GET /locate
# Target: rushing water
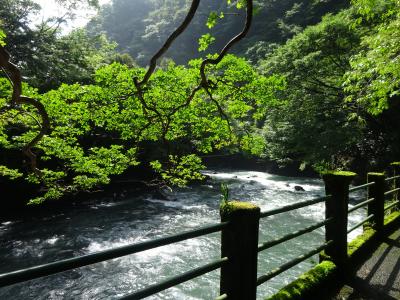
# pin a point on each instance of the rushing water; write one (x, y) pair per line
(108, 223)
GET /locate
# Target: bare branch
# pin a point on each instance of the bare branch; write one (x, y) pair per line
(230, 44)
(153, 62)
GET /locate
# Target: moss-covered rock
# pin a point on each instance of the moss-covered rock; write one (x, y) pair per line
(301, 287)
(395, 164)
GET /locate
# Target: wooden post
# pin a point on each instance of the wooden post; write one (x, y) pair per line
(336, 207)
(396, 183)
(239, 242)
(377, 206)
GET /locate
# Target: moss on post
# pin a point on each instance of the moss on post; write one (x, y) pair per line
(377, 206)
(336, 207)
(239, 242)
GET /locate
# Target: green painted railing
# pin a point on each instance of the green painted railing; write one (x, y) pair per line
(239, 229)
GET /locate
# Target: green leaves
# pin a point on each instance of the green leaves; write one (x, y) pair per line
(10, 173)
(205, 41)
(180, 170)
(102, 130)
(374, 77)
(2, 38)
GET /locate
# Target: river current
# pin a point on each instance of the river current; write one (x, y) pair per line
(109, 223)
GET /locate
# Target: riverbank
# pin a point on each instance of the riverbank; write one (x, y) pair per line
(138, 180)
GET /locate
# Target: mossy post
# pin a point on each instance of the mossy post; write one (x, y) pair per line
(376, 207)
(336, 207)
(239, 242)
(396, 182)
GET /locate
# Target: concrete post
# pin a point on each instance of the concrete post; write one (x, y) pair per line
(336, 207)
(377, 206)
(239, 242)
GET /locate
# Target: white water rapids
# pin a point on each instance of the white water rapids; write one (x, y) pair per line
(109, 223)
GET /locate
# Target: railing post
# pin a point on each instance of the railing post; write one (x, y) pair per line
(396, 183)
(336, 207)
(239, 242)
(377, 206)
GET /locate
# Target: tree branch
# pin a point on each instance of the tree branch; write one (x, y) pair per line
(14, 76)
(169, 41)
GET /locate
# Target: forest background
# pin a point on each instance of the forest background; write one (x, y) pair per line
(314, 84)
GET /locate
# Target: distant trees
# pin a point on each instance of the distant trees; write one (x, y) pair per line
(140, 26)
(342, 84)
(46, 58)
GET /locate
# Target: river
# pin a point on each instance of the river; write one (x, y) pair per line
(109, 223)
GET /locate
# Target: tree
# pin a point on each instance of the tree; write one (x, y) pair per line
(162, 117)
(45, 57)
(310, 124)
(154, 20)
(374, 77)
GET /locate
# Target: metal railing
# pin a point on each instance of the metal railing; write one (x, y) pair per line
(77, 262)
(275, 272)
(239, 241)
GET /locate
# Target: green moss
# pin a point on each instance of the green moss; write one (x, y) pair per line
(396, 163)
(391, 218)
(359, 241)
(228, 207)
(306, 282)
(376, 174)
(339, 173)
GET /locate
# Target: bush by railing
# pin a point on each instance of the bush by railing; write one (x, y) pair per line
(239, 229)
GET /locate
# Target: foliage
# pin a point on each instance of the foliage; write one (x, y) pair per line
(205, 41)
(101, 130)
(2, 38)
(309, 123)
(224, 193)
(374, 77)
(154, 20)
(46, 58)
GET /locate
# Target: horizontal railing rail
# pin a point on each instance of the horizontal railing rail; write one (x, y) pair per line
(294, 206)
(392, 178)
(239, 239)
(166, 284)
(293, 235)
(81, 261)
(391, 205)
(391, 191)
(360, 223)
(361, 204)
(359, 187)
(275, 272)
